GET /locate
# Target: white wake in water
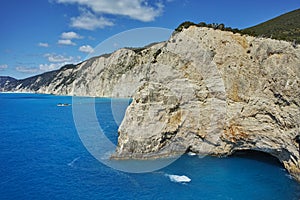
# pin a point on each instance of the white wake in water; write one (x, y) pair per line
(71, 164)
(178, 178)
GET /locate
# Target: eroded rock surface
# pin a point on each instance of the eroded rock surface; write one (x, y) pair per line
(205, 91)
(223, 92)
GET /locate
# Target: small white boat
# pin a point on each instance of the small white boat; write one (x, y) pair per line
(63, 104)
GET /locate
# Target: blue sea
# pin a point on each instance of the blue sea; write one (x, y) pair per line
(42, 157)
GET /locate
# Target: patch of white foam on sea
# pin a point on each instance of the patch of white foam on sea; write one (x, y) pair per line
(192, 154)
(289, 176)
(178, 178)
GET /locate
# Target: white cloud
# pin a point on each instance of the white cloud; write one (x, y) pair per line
(86, 49)
(45, 67)
(70, 35)
(57, 61)
(67, 38)
(3, 67)
(135, 9)
(42, 68)
(50, 67)
(57, 65)
(54, 58)
(66, 42)
(42, 44)
(27, 70)
(89, 21)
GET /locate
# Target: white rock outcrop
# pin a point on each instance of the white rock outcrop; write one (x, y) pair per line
(205, 91)
(220, 92)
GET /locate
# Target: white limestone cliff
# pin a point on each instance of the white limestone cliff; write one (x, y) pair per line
(222, 92)
(205, 91)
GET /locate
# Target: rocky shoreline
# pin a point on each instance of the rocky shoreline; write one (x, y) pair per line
(205, 91)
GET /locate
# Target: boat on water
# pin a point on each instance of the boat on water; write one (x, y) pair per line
(63, 104)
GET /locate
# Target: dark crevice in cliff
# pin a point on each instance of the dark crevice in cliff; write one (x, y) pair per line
(269, 114)
(281, 101)
(167, 136)
(273, 118)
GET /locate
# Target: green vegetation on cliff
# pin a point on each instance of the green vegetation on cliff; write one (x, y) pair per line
(222, 27)
(285, 27)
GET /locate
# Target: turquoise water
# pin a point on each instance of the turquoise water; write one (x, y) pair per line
(42, 157)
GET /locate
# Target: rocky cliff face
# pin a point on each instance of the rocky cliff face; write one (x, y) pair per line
(220, 92)
(206, 91)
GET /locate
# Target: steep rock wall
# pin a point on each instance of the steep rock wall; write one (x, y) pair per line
(223, 92)
(207, 91)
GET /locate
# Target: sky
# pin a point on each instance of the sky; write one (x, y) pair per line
(42, 35)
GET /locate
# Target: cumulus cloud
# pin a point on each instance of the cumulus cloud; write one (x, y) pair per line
(45, 67)
(66, 42)
(42, 68)
(86, 49)
(56, 65)
(58, 58)
(3, 67)
(135, 9)
(55, 62)
(67, 37)
(49, 67)
(27, 70)
(70, 35)
(42, 44)
(89, 21)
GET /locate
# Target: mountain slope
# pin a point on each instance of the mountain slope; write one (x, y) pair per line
(284, 27)
(31, 84)
(6, 80)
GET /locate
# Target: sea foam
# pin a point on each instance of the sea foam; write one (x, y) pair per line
(192, 154)
(178, 178)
